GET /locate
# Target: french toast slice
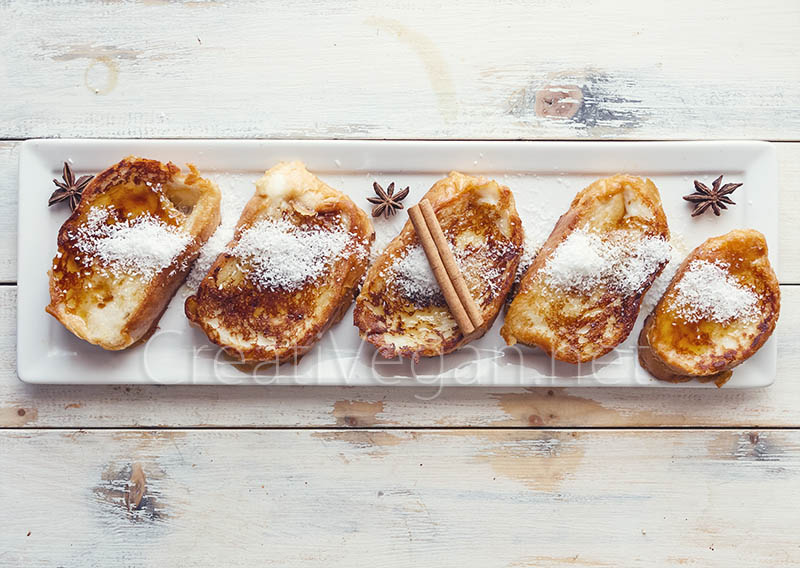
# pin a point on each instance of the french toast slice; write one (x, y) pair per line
(719, 309)
(401, 310)
(299, 251)
(580, 298)
(127, 247)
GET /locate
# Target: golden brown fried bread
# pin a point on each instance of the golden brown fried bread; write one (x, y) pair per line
(718, 310)
(127, 247)
(581, 296)
(299, 251)
(401, 310)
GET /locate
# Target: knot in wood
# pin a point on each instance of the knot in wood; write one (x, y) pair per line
(558, 101)
(137, 486)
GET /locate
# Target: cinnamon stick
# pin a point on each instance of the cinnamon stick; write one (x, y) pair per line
(444, 267)
(450, 264)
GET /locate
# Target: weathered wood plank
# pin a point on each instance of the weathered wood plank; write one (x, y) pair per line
(9, 166)
(120, 406)
(716, 69)
(789, 164)
(401, 498)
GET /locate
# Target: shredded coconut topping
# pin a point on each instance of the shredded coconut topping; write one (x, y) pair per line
(619, 261)
(141, 246)
(661, 283)
(283, 256)
(707, 291)
(412, 273)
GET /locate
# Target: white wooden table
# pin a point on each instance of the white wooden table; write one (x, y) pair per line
(352, 477)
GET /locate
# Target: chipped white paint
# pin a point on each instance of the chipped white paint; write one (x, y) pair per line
(402, 498)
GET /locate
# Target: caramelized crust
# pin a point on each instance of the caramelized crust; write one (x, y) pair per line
(569, 325)
(480, 220)
(255, 324)
(673, 349)
(115, 311)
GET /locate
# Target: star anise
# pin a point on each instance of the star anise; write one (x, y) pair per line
(69, 188)
(387, 203)
(716, 197)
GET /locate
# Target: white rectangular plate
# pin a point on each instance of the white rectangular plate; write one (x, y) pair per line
(544, 177)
